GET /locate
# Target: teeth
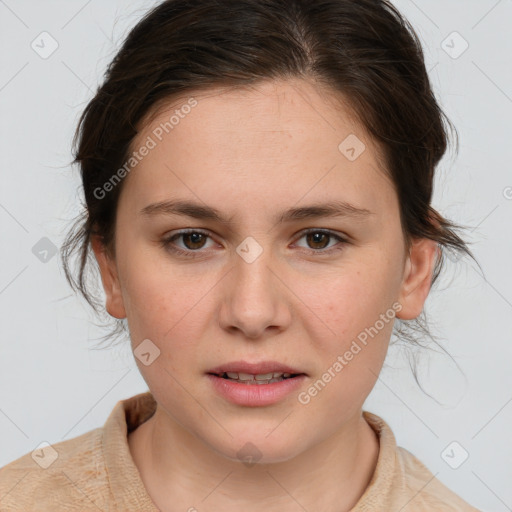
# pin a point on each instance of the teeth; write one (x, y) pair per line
(245, 376)
(259, 377)
(265, 376)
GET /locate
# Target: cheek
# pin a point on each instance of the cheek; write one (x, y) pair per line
(162, 305)
(354, 315)
(169, 312)
(350, 302)
(360, 318)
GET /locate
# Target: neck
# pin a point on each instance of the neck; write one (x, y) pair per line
(180, 471)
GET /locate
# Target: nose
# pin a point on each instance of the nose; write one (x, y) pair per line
(254, 298)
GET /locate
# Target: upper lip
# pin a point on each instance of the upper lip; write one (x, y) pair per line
(262, 367)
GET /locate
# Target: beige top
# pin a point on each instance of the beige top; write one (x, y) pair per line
(95, 471)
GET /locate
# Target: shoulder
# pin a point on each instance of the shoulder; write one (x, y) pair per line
(425, 490)
(402, 482)
(68, 475)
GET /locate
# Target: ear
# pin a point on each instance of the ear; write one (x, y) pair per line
(114, 303)
(418, 270)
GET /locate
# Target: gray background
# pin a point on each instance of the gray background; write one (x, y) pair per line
(54, 387)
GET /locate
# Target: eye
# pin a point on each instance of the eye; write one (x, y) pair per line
(193, 240)
(318, 240)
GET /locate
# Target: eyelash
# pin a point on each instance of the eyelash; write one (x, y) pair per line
(167, 243)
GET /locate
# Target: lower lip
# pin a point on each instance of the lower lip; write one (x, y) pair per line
(255, 394)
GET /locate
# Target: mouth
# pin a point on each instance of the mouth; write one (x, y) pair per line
(265, 372)
(255, 384)
(256, 379)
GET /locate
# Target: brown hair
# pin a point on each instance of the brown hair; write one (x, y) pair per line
(365, 50)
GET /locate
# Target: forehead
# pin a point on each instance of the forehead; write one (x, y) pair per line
(280, 140)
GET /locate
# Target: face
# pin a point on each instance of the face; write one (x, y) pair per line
(271, 279)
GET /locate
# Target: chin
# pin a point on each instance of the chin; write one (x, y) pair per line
(257, 449)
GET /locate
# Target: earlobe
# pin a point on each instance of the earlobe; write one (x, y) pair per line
(417, 279)
(109, 278)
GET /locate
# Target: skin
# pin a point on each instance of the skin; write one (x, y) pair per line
(251, 153)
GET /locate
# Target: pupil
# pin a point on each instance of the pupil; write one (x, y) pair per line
(196, 237)
(316, 237)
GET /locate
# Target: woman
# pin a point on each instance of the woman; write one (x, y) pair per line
(258, 177)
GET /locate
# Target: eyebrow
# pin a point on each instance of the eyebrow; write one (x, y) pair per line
(204, 212)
